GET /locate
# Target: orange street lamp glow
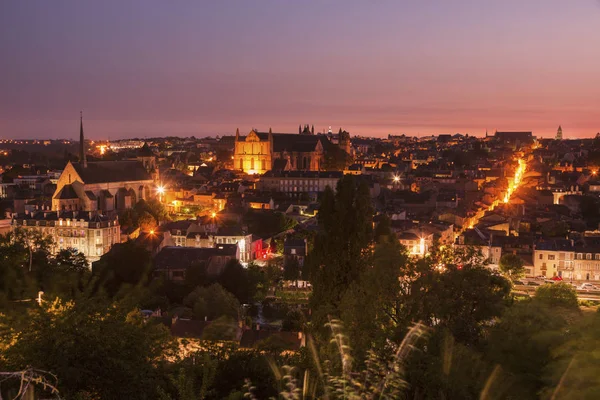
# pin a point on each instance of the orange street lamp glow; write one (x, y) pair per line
(213, 214)
(152, 231)
(396, 178)
(160, 190)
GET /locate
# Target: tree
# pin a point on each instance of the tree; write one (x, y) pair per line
(291, 269)
(222, 328)
(125, 265)
(234, 279)
(511, 265)
(557, 295)
(212, 302)
(383, 229)
(96, 349)
(574, 372)
(345, 222)
(522, 343)
(466, 299)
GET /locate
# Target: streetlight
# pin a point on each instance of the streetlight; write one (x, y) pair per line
(160, 190)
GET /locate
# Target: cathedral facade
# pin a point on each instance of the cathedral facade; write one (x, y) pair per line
(259, 152)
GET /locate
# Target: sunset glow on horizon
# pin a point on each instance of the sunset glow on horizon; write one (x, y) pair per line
(151, 68)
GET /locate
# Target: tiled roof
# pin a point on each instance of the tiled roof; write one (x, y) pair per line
(182, 257)
(112, 171)
(291, 142)
(66, 193)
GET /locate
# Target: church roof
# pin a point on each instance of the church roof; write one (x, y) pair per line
(67, 192)
(290, 142)
(112, 171)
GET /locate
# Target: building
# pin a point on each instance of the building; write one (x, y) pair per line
(296, 249)
(104, 186)
(553, 258)
(294, 183)
(259, 152)
(173, 262)
(416, 241)
(89, 233)
(559, 133)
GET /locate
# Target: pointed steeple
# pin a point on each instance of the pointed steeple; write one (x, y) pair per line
(237, 134)
(299, 128)
(270, 131)
(82, 156)
(559, 133)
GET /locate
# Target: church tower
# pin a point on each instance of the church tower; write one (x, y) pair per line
(559, 133)
(82, 157)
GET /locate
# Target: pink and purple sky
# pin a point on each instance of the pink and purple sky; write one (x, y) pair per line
(150, 67)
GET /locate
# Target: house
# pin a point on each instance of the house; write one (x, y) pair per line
(259, 202)
(235, 235)
(173, 262)
(295, 249)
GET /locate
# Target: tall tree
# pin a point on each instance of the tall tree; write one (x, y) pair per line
(342, 245)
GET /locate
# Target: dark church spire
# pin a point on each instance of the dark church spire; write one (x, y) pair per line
(82, 157)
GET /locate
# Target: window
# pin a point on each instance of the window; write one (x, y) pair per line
(541, 256)
(579, 256)
(597, 256)
(588, 256)
(97, 233)
(550, 257)
(293, 251)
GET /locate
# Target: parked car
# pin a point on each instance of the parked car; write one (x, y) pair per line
(588, 286)
(519, 283)
(533, 283)
(541, 277)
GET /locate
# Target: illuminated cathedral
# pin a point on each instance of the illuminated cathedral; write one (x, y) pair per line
(259, 152)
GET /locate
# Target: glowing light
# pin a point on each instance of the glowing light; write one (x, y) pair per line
(213, 214)
(594, 172)
(160, 190)
(396, 178)
(252, 172)
(152, 231)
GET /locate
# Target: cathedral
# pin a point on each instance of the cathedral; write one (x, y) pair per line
(259, 152)
(103, 186)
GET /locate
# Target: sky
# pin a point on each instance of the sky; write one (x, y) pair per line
(144, 68)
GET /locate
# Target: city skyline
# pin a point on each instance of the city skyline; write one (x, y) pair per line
(151, 69)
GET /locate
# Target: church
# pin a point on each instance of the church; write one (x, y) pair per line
(103, 186)
(259, 152)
